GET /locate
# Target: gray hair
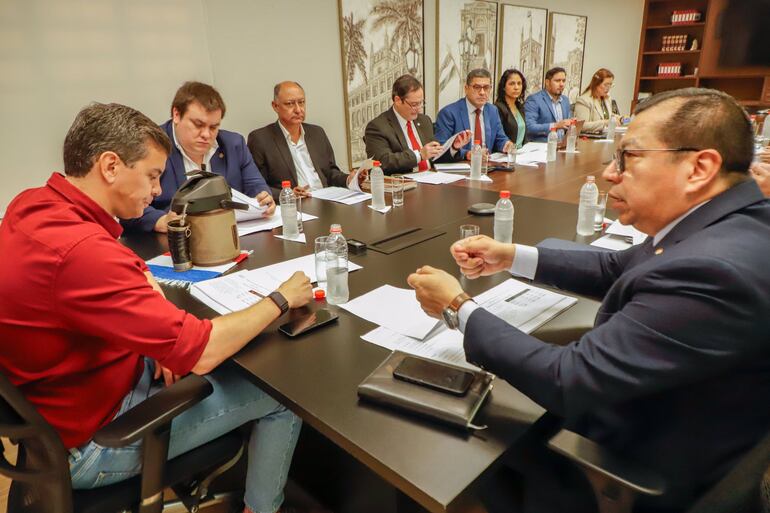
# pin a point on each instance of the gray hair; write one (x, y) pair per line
(109, 127)
(477, 73)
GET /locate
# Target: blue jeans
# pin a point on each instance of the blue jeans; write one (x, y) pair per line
(234, 402)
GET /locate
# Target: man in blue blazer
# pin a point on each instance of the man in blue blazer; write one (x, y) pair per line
(474, 113)
(197, 140)
(674, 374)
(548, 108)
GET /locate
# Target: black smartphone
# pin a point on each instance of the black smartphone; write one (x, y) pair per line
(433, 375)
(307, 322)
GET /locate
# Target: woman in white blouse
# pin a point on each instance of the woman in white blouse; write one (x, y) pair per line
(595, 106)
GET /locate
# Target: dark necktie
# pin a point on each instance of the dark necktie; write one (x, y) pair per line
(423, 165)
(477, 133)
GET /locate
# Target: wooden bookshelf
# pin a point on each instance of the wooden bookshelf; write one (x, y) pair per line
(700, 67)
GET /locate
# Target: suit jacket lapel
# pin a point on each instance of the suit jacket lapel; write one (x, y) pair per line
(218, 161)
(489, 140)
(396, 127)
(424, 129)
(464, 120)
(735, 198)
(315, 156)
(283, 150)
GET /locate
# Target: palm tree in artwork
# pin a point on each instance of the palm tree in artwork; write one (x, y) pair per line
(404, 17)
(353, 46)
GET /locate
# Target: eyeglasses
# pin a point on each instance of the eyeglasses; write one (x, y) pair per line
(620, 155)
(479, 88)
(292, 103)
(414, 105)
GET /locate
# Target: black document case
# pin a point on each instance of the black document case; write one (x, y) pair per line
(381, 387)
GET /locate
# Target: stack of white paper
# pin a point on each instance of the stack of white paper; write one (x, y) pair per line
(620, 236)
(453, 167)
(436, 178)
(394, 308)
(240, 290)
(523, 306)
(341, 195)
(266, 223)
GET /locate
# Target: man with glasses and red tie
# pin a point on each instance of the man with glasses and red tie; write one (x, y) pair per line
(474, 113)
(674, 373)
(401, 138)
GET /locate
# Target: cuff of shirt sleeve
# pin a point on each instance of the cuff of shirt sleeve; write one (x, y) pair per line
(417, 155)
(525, 261)
(464, 313)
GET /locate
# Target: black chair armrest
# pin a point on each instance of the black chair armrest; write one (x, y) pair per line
(594, 457)
(154, 412)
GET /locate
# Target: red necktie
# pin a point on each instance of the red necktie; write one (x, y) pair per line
(477, 133)
(423, 165)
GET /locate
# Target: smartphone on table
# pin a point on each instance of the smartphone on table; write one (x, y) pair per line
(307, 322)
(433, 375)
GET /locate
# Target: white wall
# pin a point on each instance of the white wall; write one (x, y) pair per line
(58, 55)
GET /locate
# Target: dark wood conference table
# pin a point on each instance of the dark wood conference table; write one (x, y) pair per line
(316, 375)
(560, 180)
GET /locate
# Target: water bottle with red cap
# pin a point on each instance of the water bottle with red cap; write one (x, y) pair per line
(504, 218)
(288, 204)
(377, 179)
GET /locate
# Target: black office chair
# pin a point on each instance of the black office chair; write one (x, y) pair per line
(41, 477)
(616, 483)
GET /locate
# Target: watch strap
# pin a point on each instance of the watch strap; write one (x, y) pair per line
(279, 301)
(458, 301)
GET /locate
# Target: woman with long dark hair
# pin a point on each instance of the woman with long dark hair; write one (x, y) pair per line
(595, 106)
(511, 91)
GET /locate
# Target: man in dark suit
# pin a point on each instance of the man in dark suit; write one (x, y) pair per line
(674, 373)
(293, 150)
(473, 112)
(198, 141)
(401, 138)
(548, 108)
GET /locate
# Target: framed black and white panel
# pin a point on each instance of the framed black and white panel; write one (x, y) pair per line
(522, 42)
(566, 47)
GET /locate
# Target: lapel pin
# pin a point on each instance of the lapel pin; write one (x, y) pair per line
(221, 155)
(659, 251)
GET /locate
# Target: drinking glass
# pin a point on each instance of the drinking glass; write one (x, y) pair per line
(600, 208)
(484, 161)
(320, 261)
(468, 230)
(512, 156)
(300, 229)
(397, 190)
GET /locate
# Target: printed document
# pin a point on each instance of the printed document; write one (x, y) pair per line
(341, 195)
(521, 305)
(266, 223)
(240, 290)
(433, 178)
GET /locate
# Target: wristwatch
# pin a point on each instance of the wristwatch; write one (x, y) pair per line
(279, 301)
(450, 313)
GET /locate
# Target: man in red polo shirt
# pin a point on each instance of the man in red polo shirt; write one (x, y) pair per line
(79, 313)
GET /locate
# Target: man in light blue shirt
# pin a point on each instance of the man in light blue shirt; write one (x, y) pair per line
(548, 108)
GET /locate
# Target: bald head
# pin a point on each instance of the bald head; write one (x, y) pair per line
(289, 104)
(286, 83)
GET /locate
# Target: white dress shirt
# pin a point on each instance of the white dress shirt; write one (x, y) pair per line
(306, 172)
(402, 122)
(189, 165)
(472, 121)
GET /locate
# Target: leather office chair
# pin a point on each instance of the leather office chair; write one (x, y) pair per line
(41, 477)
(616, 483)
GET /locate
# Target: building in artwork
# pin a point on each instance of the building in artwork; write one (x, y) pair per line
(573, 65)
(531, 55)
(477, 42)
(367, 100)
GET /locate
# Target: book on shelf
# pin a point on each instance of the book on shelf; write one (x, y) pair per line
(685, 16)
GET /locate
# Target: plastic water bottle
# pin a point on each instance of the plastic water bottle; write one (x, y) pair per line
(288, 204)
(611, 126)
(504, 218)
(571, 138)
(336, 267)
(589, 194)
(476, 157)
(377, 179)
(553, 141)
